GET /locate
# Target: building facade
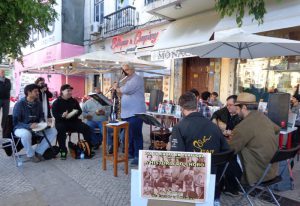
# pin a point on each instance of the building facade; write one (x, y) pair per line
(64, 40)
(129, 30)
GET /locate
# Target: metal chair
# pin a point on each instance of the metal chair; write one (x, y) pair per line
(9, 143)
(279, 156)
(222, 159)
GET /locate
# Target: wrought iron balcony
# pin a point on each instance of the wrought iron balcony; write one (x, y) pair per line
(120, 21)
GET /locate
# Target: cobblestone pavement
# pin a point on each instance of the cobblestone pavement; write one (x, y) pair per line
(71, 182)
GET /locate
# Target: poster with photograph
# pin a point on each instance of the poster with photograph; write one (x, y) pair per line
(174, 176)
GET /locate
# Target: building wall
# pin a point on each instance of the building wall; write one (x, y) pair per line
(227, 78)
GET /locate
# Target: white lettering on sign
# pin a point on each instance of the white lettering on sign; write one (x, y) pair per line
(168, 54)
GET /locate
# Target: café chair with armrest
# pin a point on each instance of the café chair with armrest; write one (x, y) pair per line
(279, 156)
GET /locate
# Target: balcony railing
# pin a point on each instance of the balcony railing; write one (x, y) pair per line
(120, 21)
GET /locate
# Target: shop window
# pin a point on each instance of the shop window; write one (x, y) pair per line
(99, 11)
(153, 83)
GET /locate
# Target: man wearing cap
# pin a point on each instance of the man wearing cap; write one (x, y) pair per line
(66, 111)
(254, 139)
(96, 113)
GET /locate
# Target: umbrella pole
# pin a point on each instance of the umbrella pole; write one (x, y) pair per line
(67, 76)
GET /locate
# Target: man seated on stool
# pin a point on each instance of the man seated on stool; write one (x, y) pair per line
(96, 113)
(61, 107)
(27, 113)
(195, 133)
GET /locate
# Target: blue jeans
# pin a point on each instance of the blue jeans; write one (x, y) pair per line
(97, 138)
(135, 135)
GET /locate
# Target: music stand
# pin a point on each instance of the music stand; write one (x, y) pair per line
(103, 100)
(150, 120)
(158, 138)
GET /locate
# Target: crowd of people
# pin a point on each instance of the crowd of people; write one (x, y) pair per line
(237, 126)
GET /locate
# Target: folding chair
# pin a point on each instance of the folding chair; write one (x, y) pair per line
(9, 143)
(222, 159)
(279, 156)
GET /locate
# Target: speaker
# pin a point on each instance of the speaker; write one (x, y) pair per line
(278, 108)
(156, 97)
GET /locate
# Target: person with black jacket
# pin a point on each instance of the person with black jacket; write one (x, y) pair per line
(66, 111)
(5, 87)
(195, 133)
(44, 96)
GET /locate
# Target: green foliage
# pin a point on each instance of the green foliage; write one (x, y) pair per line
(238, 7)
(18, 18)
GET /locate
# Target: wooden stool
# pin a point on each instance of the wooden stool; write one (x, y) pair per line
(115, 158)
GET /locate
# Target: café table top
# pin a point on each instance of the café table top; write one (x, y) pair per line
(289, 130)
(163, 114)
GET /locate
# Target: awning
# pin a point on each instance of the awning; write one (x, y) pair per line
(188, 31)
(94, 62)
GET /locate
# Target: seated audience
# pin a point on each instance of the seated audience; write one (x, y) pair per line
(214, 101)
(194, 133)
(254, 139)
(27, 113)
(62, 106)
(227, 118)
(96, 113)
(203, 103)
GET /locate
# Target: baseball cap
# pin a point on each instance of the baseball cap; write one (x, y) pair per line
(65, 86)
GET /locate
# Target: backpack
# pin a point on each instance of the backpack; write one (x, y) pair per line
(77, 149)
(285, 171)
(51, 152)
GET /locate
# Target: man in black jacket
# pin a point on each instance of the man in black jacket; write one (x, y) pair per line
(5, 87)
(66, 111)
(195, 133)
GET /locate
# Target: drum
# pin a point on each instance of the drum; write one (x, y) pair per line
(159, 139)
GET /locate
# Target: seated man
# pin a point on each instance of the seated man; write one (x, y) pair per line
(254, 139)
(27, 113)
(195, 133)
(227, 118)
(96, 113)
(62, 106)
(214, 101)
(203, 103)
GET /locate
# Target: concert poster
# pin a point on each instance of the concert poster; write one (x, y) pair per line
(174, 176)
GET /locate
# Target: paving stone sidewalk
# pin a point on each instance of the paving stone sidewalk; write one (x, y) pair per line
(68, 183)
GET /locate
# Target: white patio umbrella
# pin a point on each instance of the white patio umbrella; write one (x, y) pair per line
(246, 46)
(94, 62)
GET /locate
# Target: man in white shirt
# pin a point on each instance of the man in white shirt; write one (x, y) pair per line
(96, 113)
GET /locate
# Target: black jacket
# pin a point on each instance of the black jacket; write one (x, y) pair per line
(5, 88)
(49, 95)
(61, 105)
(224, 115)
(194, 133)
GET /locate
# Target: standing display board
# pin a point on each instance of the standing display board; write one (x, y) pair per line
(174, 176)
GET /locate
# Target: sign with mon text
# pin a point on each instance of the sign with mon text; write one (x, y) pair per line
(139, 39)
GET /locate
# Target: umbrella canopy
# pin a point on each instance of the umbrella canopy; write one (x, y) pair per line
(245, 46)
(94, 62)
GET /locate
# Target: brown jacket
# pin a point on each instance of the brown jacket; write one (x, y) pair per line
(256, 142)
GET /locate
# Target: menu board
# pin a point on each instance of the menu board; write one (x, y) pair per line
(174, 176)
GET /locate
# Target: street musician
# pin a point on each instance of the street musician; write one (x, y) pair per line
(132, 102)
